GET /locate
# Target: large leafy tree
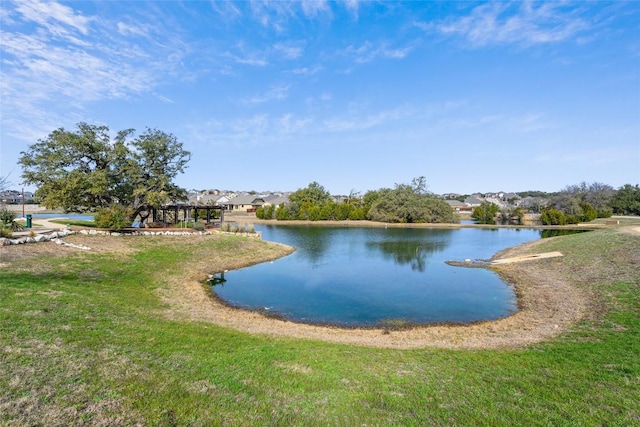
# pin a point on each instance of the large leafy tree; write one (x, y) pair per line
(408, 204)
(627, 200)
(84, 170)
(314, 194)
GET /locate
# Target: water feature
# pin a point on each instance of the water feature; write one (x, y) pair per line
(79, 217)
(370, 276)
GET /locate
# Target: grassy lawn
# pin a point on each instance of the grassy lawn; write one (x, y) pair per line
(76, 222)
(83, 340)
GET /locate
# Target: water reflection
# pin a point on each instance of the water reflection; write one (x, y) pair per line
(555, 233)
(412, 253)
(311, 242)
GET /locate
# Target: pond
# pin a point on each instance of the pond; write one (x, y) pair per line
(79, 217)
(373, 276)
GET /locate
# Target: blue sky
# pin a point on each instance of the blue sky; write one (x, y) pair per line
(475, 96)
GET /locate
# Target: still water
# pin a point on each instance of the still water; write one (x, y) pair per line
(369, 276)
(81, 217)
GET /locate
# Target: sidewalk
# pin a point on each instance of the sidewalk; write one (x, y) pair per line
(43, 226)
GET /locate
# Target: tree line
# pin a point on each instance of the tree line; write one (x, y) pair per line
(574, 204)
(405, 203)
(585, 202)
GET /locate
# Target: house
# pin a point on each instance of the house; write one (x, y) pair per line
(13, 196)
(246, 203)
(458, 206)
(275, 199)
(473, 201)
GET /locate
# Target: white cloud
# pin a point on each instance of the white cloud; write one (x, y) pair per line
(277, 93)
(524, 23)
(312, 9)
(226, 9)
(52, 14)
(352, 6)
(56, 60)
(357, 121)
(369, 51)
(306, 70)
(288, 51)
(257, 130)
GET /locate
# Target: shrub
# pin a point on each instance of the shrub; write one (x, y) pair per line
(485, 213)
(605, 213)
(115, 217)
(589, 213)
(572, 219)
(8, 221)
(283, 213)
(553, 217)
(198, 226)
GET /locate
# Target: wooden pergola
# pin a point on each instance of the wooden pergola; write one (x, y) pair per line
(160, 214)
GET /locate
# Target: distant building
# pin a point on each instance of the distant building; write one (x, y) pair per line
(14, 196)
(458, 206)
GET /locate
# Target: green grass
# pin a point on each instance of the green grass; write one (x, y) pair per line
(76, 222)
(82, 342)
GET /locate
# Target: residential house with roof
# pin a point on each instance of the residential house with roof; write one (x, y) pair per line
(458, 206)
(473, 201)
(275, 199)
(245, 203)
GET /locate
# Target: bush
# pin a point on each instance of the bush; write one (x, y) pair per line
(485, 213)
(6, 232)
(553, 217)
(198, 226)
(589, 213)
(572, 219)
(284, 213)
(8, 222)
(605, 213)
(265, 212)
(115, 217)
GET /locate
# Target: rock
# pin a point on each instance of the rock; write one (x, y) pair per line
(4, 241)
(40, 238)
(31, 240)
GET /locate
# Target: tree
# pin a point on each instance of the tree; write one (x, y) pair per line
(73, 170)
(574, 198)
(84, 170)
(627, 200)
(599, 196)
(314, 193)
(157, 158)
(485, 213)
(408, 204)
